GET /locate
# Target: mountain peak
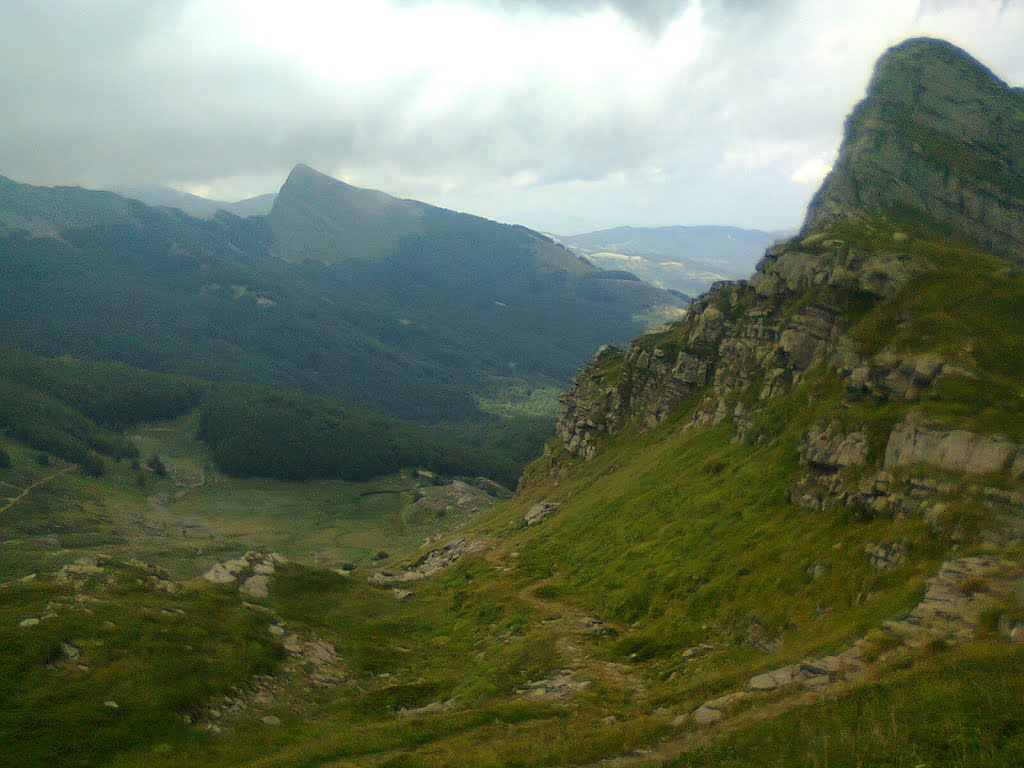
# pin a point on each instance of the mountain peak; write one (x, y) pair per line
(927, 72)
(301, 172)
(314, 211)
(938, 136)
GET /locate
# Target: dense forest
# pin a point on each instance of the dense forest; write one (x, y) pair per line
(78, 409)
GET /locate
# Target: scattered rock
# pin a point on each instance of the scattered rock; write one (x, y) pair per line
(111, 705)
(817, 569)
(758, 637)
(697, 651)
(276, 630)
(434, 708)
(1012, 629)
(540, 512)
(28, 622)
(434, 561)
(560, 686)
(271, 720)
(402, 594)
(78, 572)
(886, 557)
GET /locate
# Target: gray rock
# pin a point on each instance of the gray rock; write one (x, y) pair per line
(941, 92)
(697, 651)
(434, 561)
(826, 450)
(955, 450)
(540, 512)
(255, 586)
(1012, 629)
(26, 623)
(886, 557)
(218, 574)
(777, 678)
(705, 715)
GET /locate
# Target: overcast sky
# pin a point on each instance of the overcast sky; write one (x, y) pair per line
(565, 116)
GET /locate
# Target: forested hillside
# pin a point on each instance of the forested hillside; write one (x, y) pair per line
(462, 311)
(77, 410)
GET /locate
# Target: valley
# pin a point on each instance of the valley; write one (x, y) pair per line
(249, 517)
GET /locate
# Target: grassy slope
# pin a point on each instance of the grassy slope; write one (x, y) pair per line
(952, 708)
(674, 538)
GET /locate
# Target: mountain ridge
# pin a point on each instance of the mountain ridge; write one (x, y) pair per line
(685, 258)
(939, 135)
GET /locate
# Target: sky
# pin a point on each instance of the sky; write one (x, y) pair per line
(566, 116)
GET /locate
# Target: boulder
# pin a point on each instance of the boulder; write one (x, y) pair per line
(705, 715)
(539, 512)
(255, 586)
(219, 575)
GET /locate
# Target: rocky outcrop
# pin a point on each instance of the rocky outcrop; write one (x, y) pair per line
(955, 601)
(252, 572)
(433, 562)
(741, 345)
(745, 343)
(829, 451)
(937, 135)
(560, 686)
(938, 142)
(955, 450)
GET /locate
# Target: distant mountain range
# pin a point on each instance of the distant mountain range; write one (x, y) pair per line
(391, 305)
(194, 205)
(345, 222)
(687, 259)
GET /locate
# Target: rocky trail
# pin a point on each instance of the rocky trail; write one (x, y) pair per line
(573, 628)
(949, 614)
(311, 663)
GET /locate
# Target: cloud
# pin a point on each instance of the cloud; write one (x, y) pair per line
(562, 115)
(651, 15)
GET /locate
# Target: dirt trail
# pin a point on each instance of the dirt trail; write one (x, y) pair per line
(573, 627)
(15, 499)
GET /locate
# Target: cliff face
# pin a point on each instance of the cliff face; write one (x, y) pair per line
(907, 177)
(742, 344)
(938, 136)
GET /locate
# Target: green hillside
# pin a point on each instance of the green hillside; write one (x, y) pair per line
(467, 311)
